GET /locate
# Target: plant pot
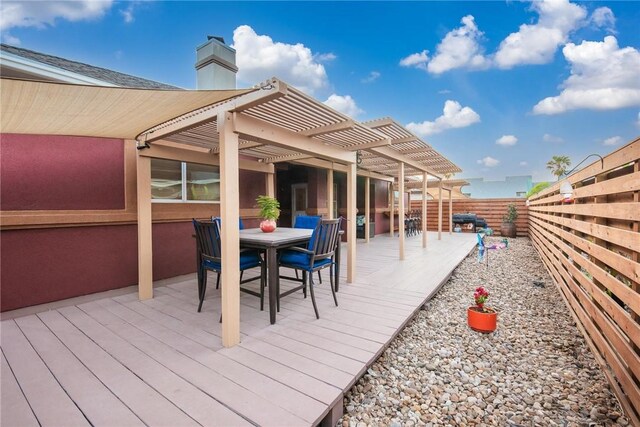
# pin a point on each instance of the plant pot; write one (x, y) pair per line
(508, 229)
(481, 321)
(268, 225)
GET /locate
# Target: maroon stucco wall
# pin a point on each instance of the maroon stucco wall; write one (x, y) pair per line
(41, 172)
(45, 265)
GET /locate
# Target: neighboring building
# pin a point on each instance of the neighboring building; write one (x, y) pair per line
(512, 186)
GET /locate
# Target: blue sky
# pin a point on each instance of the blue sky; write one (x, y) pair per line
(497, 87)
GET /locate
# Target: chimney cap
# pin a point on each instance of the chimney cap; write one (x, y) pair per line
(219, 38)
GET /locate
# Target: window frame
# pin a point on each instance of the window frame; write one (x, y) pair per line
(183, 178)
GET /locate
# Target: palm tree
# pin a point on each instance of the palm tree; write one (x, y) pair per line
(558, 165)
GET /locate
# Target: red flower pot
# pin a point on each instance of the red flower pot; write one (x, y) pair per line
(482, 321)
(268, 225)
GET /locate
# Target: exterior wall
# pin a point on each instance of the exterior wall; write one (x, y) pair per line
(40, 172)
(69, 219)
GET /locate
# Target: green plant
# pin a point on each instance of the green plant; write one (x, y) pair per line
(512, 213)
(558, 165)
(480, 296)
(269, 207)
(537, 188)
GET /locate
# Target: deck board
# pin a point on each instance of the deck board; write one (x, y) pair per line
(50, 403)
(160, 362)
(98, 403)
(14, 407)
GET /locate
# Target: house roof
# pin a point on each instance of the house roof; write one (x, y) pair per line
(98, 73)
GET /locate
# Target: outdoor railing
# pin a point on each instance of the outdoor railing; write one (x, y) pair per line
(591, 247)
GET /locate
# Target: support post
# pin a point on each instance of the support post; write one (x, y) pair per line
(330, 193)
(351, 222)
(401, 208)
(424, 209)
(440, 210)
(392, 195)
(229, 235)
(145, 253)
(367, 207)
(450, 211)
(271, 185)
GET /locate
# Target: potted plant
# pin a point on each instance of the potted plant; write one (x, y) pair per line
(508, 227)
(269, 211)
(481, 318)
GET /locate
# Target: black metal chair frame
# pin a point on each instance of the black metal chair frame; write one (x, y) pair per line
(327, 239)
(209, 248)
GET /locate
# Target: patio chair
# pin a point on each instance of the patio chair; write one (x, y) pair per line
(308, 222)
(318, 255)
(209, 259)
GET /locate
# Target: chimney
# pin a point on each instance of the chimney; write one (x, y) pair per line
(215, 65)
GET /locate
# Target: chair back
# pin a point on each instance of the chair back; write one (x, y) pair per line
(208, 239)
(218, 220)
(324, 239)
(307, 221)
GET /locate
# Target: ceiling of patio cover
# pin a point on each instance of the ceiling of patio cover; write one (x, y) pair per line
(34, 107)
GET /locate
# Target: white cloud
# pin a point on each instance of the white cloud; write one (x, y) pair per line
(417, 60)
(326, 57)
(547, 137)
(372, 77)
(523, 163)
(459, 49)
(603, 17)
(603, 77)
(9, 39)
(40, 14)
(258, 58)
(614, 140)
(127, 13)
(453, 116)
(537, 43)
(488, 162)
(344, 104)
(507, 140)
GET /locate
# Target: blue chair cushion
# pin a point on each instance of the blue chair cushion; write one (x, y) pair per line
(301, 261)
(306, 221)
(248, 260)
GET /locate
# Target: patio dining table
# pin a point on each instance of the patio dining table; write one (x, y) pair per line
(281, 238)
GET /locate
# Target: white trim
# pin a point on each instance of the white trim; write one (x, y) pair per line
(25, 65)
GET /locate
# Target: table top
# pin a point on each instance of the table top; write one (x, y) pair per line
(281, 236)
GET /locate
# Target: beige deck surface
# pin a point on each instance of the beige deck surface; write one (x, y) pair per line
(117, 361)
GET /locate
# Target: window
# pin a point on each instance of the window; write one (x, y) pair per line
(521, 193)
(174, 181)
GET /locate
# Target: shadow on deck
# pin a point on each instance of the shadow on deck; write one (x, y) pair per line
(114, 360)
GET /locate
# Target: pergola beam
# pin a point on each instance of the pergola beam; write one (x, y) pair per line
(280, 137)
(335, 127)
(278, 89)
(229, 233)
(392, 154)
(401, 208)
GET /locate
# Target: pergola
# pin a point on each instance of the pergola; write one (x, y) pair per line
(250, 129)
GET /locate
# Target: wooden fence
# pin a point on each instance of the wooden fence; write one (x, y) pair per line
(491, 210)
(591, 248)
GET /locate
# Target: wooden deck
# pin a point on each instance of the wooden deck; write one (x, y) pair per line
(116, 361)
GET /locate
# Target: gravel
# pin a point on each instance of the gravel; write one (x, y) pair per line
(535, 369)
